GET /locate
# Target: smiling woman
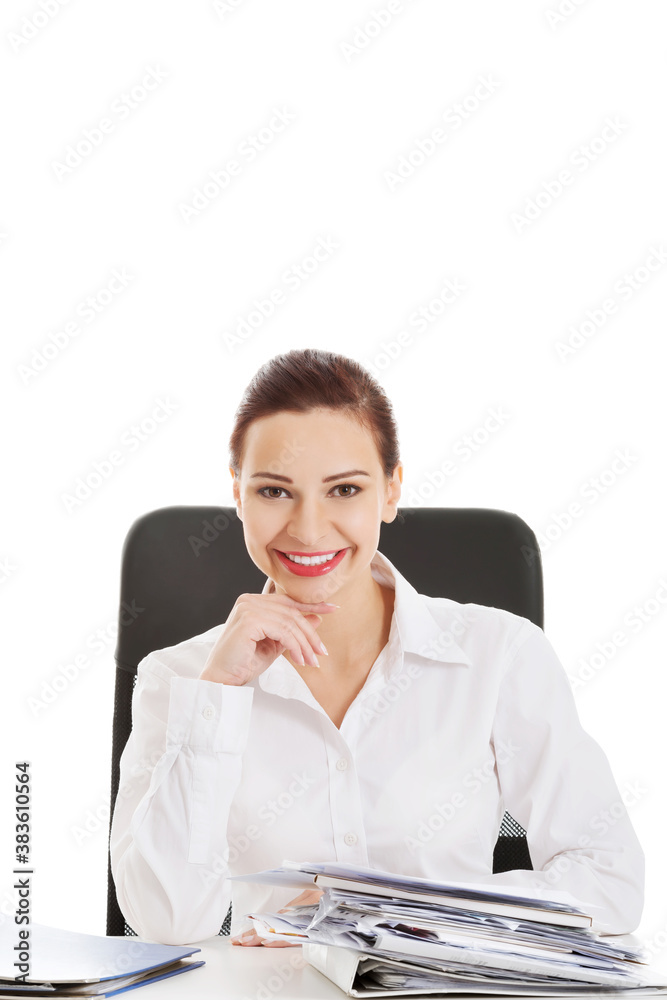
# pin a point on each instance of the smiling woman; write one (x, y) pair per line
(267, 730)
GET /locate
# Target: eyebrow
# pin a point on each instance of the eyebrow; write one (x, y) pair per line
(328, 479)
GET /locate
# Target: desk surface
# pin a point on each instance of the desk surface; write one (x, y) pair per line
(238, 973)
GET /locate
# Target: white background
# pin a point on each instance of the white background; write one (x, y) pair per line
(359, 97)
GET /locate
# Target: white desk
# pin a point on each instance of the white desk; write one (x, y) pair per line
(233, 972)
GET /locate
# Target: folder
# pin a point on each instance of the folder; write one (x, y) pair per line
(344, 965)
(61, 963)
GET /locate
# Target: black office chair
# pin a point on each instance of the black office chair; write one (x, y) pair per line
(184, 567)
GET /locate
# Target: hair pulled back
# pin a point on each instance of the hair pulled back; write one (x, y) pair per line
(308, 379)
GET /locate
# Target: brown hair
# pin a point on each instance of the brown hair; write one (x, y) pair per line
(307, 379)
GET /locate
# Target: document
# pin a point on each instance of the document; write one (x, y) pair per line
(558, 907)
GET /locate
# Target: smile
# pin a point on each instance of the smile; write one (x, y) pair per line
(314, 565)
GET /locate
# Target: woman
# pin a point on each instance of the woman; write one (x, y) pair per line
(340, 715)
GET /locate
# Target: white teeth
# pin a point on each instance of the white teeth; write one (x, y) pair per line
(310, 560)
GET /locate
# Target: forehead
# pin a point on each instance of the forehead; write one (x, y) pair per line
(318, 439)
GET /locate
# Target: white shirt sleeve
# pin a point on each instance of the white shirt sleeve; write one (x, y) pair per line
(559, 786)
(178, 774)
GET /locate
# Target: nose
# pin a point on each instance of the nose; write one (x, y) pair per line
(308, 523)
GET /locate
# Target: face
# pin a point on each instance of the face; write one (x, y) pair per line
(313, 483)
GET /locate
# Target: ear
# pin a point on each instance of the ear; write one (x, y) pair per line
(237, 494)
(393, 494)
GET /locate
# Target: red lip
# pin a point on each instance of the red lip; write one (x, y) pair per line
(301, 570)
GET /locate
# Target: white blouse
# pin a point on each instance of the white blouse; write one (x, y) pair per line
(466, 712)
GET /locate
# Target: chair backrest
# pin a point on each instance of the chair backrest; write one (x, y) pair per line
(184, 567)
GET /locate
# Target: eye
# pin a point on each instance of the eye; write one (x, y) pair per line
(348, 486)
(262, 492)
(342, 486)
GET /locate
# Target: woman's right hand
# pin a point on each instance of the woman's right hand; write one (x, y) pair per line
(259, 628)
(251, 938)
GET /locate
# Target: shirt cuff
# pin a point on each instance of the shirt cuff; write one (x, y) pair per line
(206, 715)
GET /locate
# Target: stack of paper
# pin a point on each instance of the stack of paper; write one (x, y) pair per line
(51, 962)
(374, 933)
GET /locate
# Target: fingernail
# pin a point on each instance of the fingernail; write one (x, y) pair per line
(323, 648)
(328, 604)
(248, 936)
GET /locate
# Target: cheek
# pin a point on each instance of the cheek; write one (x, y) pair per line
(362, 506)
(260, 526)
(363, 518)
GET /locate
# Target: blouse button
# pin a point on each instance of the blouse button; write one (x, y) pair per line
(208, 712)
(341, 764)
(350, 839)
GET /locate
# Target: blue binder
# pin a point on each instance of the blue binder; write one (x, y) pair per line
(55, 959)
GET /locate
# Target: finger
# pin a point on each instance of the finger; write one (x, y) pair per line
(301, 630)
(311, 614)
(318, 647)
(248, 938)
(300, 643)
(307, 898)
(309, 630)
(286, 633)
